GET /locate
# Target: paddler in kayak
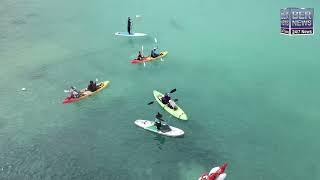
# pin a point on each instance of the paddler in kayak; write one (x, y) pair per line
(160, 124)
(92, 86)
(166, 99)
(154, 53)
(140, 57)
(129, 25)
(74, 93)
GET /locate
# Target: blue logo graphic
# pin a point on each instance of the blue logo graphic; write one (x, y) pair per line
(297, 21)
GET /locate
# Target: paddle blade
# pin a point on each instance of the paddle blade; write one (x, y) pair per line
(144, 64)
(66, 91)
(96, 79)
(161, 59)
(173, 90)
(150, 102)
(155, 40)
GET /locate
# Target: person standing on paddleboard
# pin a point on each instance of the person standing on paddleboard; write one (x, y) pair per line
(129, 25)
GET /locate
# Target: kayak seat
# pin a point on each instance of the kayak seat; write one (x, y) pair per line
(99, 86)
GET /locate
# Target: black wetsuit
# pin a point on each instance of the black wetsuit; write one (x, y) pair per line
(129, 26)
(158, 125)
(92, 87)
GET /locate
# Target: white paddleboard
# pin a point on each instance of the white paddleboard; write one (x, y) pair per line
(149, 125)
(129, 35)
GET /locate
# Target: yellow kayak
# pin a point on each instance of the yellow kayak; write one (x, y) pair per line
(84, 93)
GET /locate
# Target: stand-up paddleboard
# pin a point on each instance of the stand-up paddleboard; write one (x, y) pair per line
(149, 125)
(149, 58)
(178, 113)
(85, 94)
(129, 35)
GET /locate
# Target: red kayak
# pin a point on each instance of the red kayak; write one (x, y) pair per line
(216, 173)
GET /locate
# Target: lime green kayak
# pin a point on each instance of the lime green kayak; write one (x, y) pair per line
(178, 113)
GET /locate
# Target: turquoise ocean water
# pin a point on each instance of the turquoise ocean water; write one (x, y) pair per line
(251, 94)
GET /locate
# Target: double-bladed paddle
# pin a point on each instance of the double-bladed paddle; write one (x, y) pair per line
(172, 91)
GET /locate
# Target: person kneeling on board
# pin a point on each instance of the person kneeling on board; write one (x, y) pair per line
(157, 121)
(140, 57)
(161, 126)
(74, 93)
(154, 53)
(92, 86)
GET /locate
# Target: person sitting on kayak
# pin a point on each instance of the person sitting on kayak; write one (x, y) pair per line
(92, 86)
(154, 53)
(74, 93)
(140, 57)
(166, 98)
(129, 25)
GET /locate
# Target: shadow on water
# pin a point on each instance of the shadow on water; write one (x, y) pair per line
(131, 42)
(29, 15)
(134, 41)
(160, 140)
(39, 73)
(174, 23)
(18, 21)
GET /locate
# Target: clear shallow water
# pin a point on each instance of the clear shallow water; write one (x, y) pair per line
(251, 94)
